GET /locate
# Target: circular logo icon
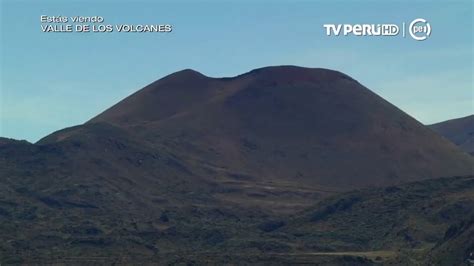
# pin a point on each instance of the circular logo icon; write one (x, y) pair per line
(419, 29)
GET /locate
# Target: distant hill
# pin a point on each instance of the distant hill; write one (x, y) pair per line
(460, 131)
(193, 169)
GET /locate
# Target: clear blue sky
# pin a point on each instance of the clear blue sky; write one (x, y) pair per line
(54, 80)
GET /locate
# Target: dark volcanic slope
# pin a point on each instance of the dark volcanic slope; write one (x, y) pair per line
(292, 124)
(460, 131)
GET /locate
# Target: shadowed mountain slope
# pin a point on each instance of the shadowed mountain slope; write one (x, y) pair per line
(430, 220)
(291, 124)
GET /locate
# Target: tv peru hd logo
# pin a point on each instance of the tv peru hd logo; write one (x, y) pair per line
(419, 29)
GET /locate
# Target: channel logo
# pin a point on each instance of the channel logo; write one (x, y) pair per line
(419, 29)
(362, 29)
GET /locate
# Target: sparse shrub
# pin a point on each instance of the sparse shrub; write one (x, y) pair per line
(340, 205)
(271, 225)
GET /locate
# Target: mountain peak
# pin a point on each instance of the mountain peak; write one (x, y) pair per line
(291, 73)
(185, 74)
